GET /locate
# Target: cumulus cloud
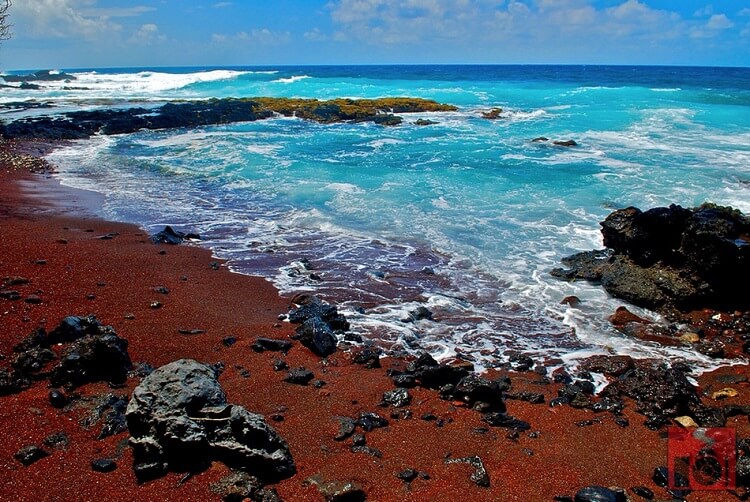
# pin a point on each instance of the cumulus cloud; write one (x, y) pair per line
(719, 22)
(66, 18)
(221, 5)
(704, 11)
(713, 27)
(398, 21)
(147, 34)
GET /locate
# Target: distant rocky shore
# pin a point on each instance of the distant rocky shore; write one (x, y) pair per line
(84, 124)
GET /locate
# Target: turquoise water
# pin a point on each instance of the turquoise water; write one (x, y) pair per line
(466, 216)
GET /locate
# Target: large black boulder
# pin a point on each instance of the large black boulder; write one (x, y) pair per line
(670, 258)
(179, 420)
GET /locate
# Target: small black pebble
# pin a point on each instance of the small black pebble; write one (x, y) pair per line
(643, 492)
(277, 417)
(280, 365)
(229, 341)
(407, 475)
(30, 454)
(103, 465)
(162, 252)
(429, 417)
(57, 398)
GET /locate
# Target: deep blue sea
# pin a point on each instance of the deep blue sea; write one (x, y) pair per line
(466, 217)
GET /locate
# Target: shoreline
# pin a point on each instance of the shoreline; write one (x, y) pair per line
(115, 278)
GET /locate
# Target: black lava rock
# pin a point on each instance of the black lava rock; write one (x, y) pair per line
(102, 356)
(397, 398)
(498, 419)
(316, 335)
(473, 388)
(299, 376)
(314, 308)
(57, 440)
(370, 421)
(346, 428)
(103, 465)
(670, 257)
(179, 419)
(367, 356)
(262, 344)
(171, 236)
(30, 454)
(57, 398)
(480, 477)
(599, 494)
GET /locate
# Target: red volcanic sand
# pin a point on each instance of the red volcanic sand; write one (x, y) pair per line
(114, 278)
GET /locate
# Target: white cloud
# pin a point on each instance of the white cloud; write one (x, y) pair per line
(744, 12)
(147, 34)
(221, 5)
(555, 22)
(704, 11)
(262, 36)
(713, 27)
(719, 22)
(315, 35)
(65, 18)
(116, 11)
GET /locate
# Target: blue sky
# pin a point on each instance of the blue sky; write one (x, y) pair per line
(109, 33)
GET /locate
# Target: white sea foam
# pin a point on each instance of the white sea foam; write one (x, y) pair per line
(292, 79)
(142, 85)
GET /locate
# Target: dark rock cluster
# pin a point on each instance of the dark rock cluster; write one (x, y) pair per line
(179, 420)
(670, 258)
(319, 323)
(90, 353)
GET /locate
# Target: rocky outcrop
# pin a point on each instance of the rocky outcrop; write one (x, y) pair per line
(90, 353)
(670, 258)
(179, 419)
(84, 124)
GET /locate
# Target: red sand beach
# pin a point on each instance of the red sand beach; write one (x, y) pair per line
(50, 238)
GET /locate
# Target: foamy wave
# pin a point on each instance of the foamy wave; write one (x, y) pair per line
(149, 82)
(145, 85)
(291, 80)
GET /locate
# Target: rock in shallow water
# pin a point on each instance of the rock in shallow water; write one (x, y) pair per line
(179, 419)
(670, 257)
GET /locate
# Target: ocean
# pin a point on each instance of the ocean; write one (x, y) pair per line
(465, 217)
